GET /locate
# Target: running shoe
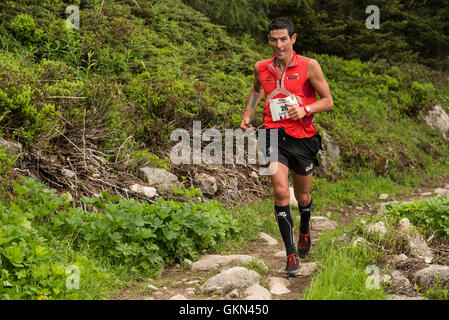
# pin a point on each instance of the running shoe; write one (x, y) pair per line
(293, 266)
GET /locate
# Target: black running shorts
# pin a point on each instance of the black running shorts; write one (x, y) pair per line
(298, 154)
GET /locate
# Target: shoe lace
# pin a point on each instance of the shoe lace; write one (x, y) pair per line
(303, 237)
(291, 261)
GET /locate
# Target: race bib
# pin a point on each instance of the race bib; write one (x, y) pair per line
(279, 109)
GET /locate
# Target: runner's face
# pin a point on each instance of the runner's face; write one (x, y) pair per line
(281, 43)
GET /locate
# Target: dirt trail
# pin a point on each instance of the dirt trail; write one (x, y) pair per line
(177, 280)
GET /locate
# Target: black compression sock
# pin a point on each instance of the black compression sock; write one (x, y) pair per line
(285, 223)
(305, 213)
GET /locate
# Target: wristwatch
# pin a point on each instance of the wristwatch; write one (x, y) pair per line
(308, 110)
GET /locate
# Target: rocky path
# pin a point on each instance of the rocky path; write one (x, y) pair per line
(256, 272)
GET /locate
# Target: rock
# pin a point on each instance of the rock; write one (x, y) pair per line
(420, 249)
(360, 241)
(340, 238)
(418, 246)
(399, 283)
(206, 183)
(426, 194)
(378, 227)
(216, 261)
(149, 298)
(405, 226)
(438, 119)
(145, 191)
(15, 148)
(425, 277)
(280, 254)
(257, 292)
(385, 279)
(230, 279)
(439, 191)
(278, 286)
(159, 178)
(254, 175)
(308, 268)
(178, 297)
(193, 282)
(444, 194)
(320, 223)
(68, 196)
(190, 291)
(293, 202)
(269, 239)
(329, 157)
(68, 173)
(234, 294)
(394, 260)
(403, 297)
(150, 286)
(188, 263)
(383, 196)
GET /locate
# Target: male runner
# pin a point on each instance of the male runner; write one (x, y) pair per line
(282, 76)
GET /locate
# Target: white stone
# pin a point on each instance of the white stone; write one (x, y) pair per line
(230, 279)
(257, 292)
(269, 239)
(145, 191)
(360, 241)
(439, 190)
(378, 227)
(280, 254)
(320, 223)
(216, 261)
(68, 173)
(405, 226)
(400, 283)
(425, 277)
(206, 183)
(15, 148)
(426, 194)
(293, 202)
(403, 297)
(420, 249)
(278, 286)
(150, 286)
(383, 196)
(178, 297)
(438, 119)
(234, 294)
(159, 178)
(308, 268)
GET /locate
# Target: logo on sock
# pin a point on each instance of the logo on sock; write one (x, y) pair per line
(282, 214)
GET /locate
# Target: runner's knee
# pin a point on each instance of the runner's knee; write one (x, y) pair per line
(303, 198)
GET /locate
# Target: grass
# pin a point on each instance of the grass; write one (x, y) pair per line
(341, 272)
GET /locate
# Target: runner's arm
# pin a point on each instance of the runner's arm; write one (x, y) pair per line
(253, 99)
(319, 83)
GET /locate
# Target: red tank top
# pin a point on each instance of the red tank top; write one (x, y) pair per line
(293, 81)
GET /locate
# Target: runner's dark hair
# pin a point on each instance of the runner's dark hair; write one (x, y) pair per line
(282, 23)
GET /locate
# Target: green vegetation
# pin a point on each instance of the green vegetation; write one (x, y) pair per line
(341, 270)
(431, 214)
(135, 237)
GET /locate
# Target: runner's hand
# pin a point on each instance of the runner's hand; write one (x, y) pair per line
(246, 124)
(295, 112)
